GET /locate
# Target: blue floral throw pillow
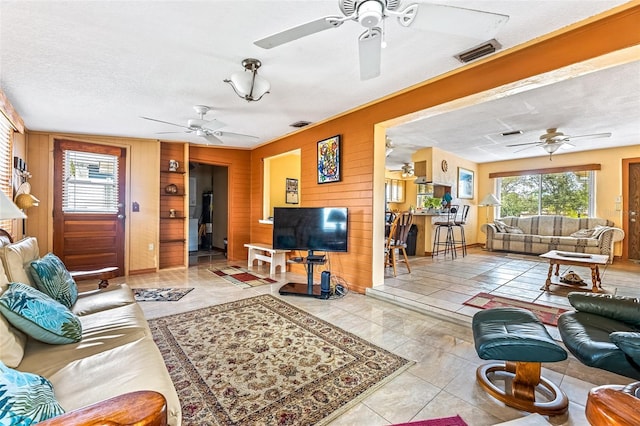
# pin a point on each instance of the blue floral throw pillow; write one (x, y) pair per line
(39, 316)
(25, 398)
(52, 278)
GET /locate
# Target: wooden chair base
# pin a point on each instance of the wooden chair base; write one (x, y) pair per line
(525, 380)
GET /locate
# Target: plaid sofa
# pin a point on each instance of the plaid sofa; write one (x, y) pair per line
(540, 234)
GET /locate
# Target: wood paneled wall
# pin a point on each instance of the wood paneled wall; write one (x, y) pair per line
(580, 42)
(240, 185)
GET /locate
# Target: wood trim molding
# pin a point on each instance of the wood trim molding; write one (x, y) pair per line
(8, 111)
(580, 168)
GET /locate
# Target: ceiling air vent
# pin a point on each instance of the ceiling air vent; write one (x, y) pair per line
(299, 124)
(479, 51)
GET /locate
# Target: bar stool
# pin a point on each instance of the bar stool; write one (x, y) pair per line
(460, 224)
(450, 242)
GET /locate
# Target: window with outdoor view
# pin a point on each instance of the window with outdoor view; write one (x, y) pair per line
(90, 183)
(568, 194)
(6, 134)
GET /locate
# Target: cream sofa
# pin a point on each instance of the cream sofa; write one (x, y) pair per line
(117, 354)
(540, 234)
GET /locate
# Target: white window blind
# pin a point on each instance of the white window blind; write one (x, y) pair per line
(6, 137)
(90, 183)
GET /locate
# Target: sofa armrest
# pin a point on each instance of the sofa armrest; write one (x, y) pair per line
(103, 275)
(142, 408)
(628, 342)
(489, 229)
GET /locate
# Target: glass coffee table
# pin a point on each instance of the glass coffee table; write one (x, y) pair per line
(593, 261)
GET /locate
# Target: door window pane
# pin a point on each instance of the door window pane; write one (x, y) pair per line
(90, 183)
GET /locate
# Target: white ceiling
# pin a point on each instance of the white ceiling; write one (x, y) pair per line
(95, 67)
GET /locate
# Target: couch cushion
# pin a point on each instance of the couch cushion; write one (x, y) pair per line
(568, 241)
(621, 308)
(17, 257)
(39, 316)
(101, 331)
(129, 367)
(51, 277)
(26, 398)
(586, 336)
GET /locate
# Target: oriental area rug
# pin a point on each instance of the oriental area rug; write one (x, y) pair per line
(261, 361)
(443, 421)
(241, 276)
(169, 294)
(547, 314)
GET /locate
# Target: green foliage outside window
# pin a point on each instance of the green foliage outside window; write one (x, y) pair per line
(565, 194)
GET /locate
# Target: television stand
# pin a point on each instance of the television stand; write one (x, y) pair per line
(308, 289)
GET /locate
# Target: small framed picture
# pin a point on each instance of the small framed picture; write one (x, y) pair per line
(465, 183)
(292, 191)
(329, 160)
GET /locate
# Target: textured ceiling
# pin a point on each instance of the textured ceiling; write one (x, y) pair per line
(95, 67)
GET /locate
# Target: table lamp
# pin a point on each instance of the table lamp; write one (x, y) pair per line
(489, 200)
(8, 210)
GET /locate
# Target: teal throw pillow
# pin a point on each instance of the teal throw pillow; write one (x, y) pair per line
(39, 316)
(25, 398)
(51, 277)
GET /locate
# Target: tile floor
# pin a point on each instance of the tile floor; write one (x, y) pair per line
(421, 317)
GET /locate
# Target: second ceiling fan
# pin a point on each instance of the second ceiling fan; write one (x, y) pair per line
(553, 140)
(371, 15)
(207, 129)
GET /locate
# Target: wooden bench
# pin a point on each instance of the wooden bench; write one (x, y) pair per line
(266, 253)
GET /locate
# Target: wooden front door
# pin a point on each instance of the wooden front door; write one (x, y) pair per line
(631, 208)
(88, 211)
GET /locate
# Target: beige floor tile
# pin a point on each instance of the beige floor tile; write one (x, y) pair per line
(426, 322)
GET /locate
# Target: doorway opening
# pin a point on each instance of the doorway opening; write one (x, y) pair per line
(208, 212)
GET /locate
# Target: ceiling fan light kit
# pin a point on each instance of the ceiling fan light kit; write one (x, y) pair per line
(249, 85)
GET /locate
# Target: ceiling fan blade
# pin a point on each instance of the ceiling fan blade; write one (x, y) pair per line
(526, 143)
(528, 147)
(173, 133)
(593, 136)
(299, 31)
(212, 139)
(476, 24)
(212, 124)
(222, 134)
(370, 49)
(165, 122)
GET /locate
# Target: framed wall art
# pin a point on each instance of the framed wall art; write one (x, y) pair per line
(292, 191)
(329, 160)
(465, 183)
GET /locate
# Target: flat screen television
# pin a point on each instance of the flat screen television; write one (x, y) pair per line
(310, 228)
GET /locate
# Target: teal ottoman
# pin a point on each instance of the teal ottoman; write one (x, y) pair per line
(517, 337)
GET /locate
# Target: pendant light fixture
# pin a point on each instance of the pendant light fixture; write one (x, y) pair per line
(249, 85)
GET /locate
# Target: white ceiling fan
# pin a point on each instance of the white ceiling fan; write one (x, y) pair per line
(406, 169)
(553, 140)
(207, 129)
(371, 14)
